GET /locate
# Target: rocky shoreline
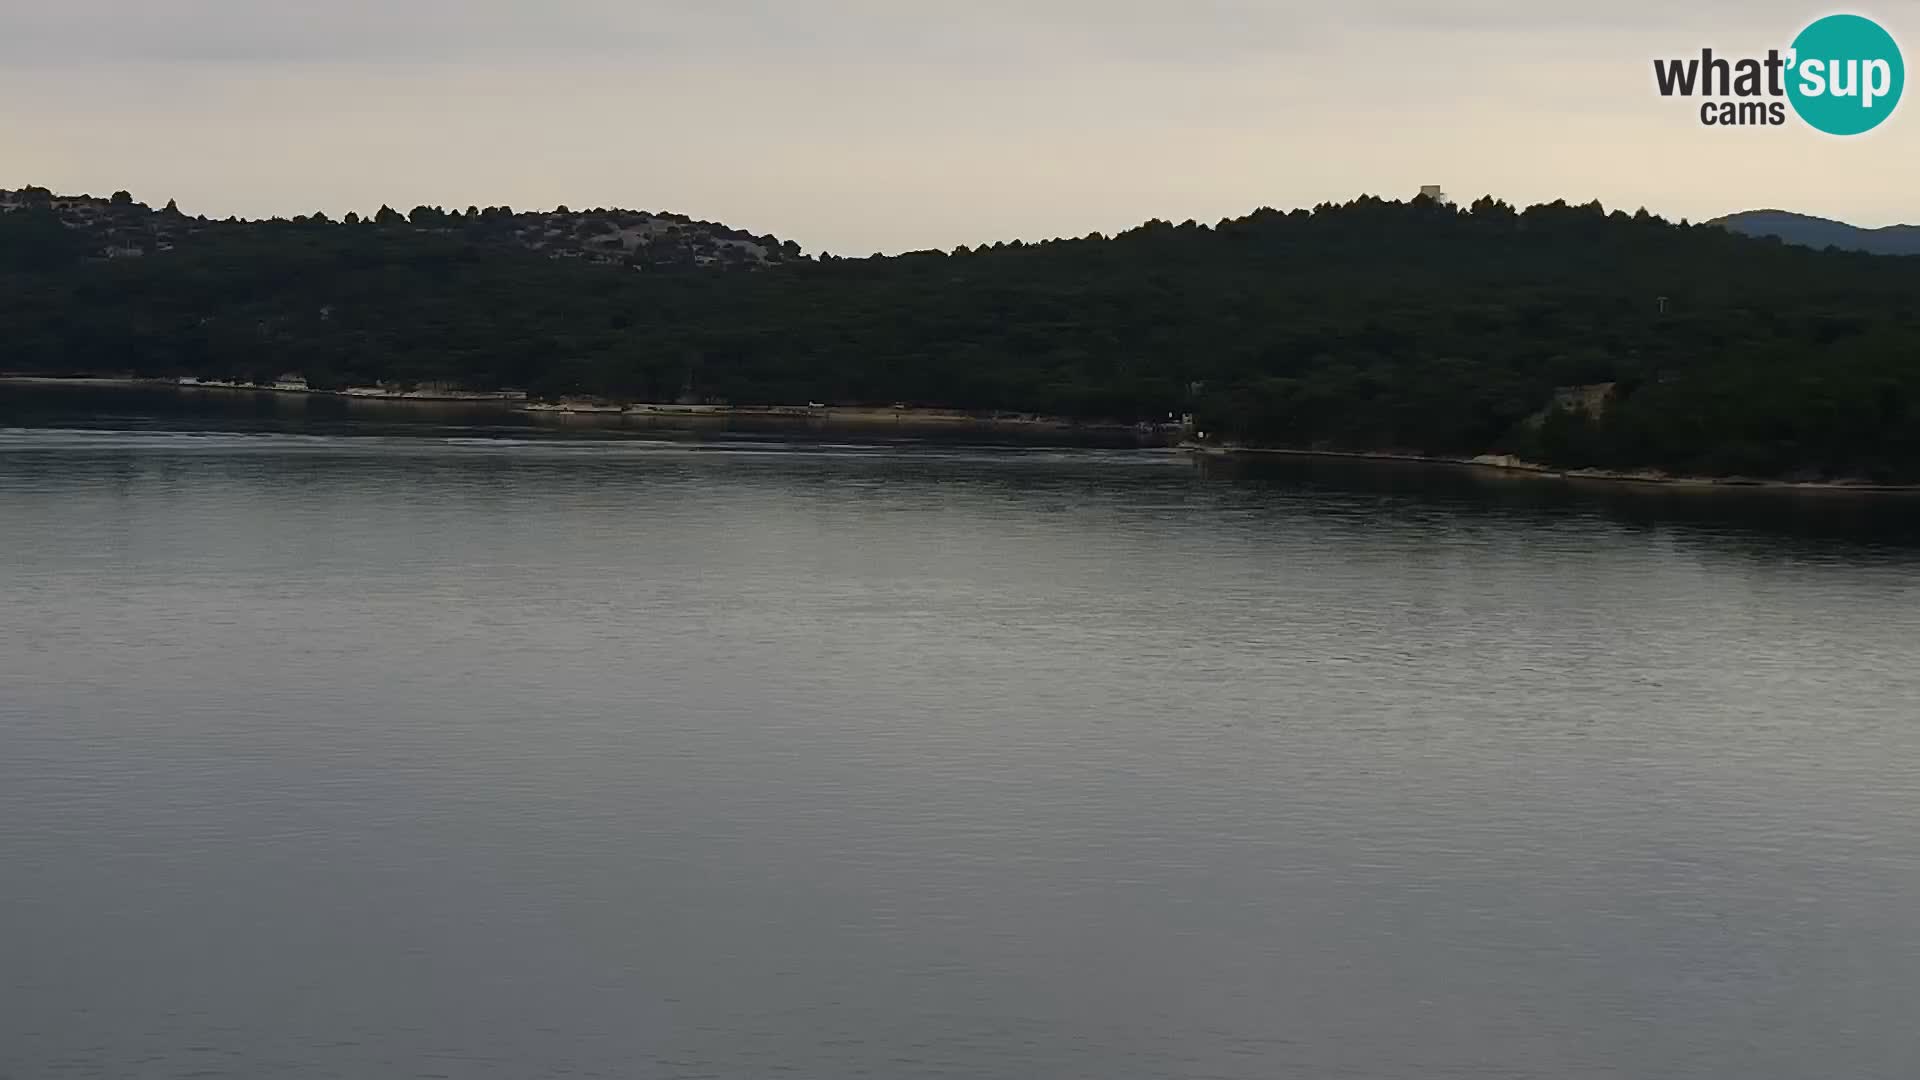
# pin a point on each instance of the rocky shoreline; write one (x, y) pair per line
(867, 419)
(1511, 465)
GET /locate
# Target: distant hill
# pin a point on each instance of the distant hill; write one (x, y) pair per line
(1816, 232)
(120, 228)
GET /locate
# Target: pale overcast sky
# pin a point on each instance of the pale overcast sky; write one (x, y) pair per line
(861, 125)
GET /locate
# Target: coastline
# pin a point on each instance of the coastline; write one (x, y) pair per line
(873, 419)
(1508, 465)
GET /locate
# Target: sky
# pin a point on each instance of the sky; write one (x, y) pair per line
(856, 126)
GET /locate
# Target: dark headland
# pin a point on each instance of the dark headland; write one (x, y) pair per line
(1563, 337)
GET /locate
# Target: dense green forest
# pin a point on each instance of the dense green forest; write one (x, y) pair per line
(1373, 325)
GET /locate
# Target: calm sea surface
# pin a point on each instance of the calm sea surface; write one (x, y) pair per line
(334, 754)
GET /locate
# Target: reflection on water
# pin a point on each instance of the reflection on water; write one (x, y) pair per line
(1855, 521)
(510, 756)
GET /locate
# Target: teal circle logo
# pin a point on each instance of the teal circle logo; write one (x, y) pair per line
(1846, 75)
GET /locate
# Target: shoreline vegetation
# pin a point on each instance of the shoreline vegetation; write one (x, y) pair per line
(870, 419)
